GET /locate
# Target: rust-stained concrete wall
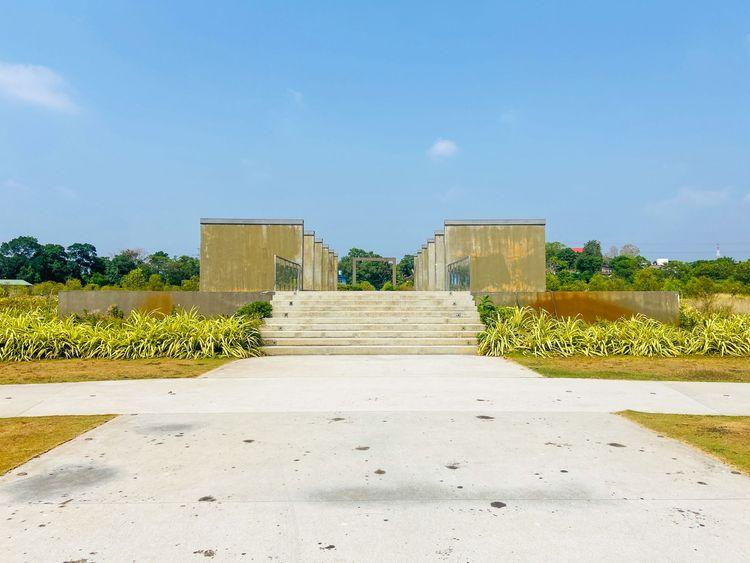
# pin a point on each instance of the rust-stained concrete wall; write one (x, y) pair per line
(431, 280)
(663, 306)
(318, 266)
(207, 303)
(308, 261)
(238, 254)
(506, 255)
(440, 261)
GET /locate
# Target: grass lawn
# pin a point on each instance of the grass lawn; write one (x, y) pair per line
(725, 437)
(692, 368)
(60, 371)
(26, 437)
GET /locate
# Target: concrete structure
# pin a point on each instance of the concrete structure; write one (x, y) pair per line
(366, 322)
(431, 268)
(206, 302)
(318, 266)
(240, 254)
(440, 275)
(373, 459)
(308, 261)
(504, 254)
(591, 306)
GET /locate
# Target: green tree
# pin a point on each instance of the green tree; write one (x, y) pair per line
(647, 280)
(590, 261)
(406, 267)
(134, 280)
(376, 273)
(625, 267)
(83, 260)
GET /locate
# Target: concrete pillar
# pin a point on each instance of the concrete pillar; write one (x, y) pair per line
(440, 261)
(425, 268)
(325, 264)
(431, 284)
(318, 266)
(417, 258)
(335, 272)
(308, 261)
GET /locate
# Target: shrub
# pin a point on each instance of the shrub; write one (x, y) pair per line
(259, 309)
(526, 331)
(33, 335)
(408, 285)
(388, 286)
(366, 286)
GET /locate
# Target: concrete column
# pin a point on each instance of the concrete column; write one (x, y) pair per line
(425, 268)
(335, 272)
(325, 274)
(431, 284)
(439, 261)
(308, 261)
(417, 258)
(318, 266)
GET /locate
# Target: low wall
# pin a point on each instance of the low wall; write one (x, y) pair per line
(663, 306)
(207, 302)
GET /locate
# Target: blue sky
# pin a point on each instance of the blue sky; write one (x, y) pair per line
(123, 123)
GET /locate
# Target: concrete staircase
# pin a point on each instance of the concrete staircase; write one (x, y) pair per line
(372, 322)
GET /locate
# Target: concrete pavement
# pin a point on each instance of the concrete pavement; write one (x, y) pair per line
(373, 459)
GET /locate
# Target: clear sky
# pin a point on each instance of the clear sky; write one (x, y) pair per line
(123, 123)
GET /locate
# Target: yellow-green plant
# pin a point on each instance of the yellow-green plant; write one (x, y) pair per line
(538, 333)
(37, 334)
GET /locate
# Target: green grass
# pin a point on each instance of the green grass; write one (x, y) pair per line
(64, 371)
(724, 437)
(691, 368)
(23, 438)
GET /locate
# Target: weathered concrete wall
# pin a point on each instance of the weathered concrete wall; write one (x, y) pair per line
(325, 278)
(308, 261)
(506, 255)
(431, 280)
(439, 261)
(318, 266)
(207, 302)
(594, 305)
(238, 254)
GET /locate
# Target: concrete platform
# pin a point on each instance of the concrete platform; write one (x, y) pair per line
(373, 458)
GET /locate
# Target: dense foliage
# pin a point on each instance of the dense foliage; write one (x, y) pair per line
(525, 331)
(626, 269)
(26, 259)
(376, 274)
(38, 334)
(259, 309)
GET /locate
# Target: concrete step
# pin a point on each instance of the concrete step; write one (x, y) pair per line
(361, 341)
(296, 325)
(368, 294)
(446, 308)
(291, 333)
(373, 313)
(366, 350)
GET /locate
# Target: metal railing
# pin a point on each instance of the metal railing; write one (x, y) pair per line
(459, 275)
(288, 274)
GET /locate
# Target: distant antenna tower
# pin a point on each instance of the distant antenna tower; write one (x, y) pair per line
(718, 251)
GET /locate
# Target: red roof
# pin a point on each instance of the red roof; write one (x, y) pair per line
(577, 249)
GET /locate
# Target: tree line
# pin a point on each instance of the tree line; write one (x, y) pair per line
(79, 265)
(626, 269)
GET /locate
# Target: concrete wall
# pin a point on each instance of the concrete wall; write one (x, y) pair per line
(431, 280)
(308, 261)
(318, 266)
(440, 262)
(594, 305)
(207, 302)
(506, 255)
(238, 254)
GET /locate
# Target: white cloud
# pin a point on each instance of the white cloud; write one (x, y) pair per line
(66, 192)
(35, 85)
(14, 186)
(442, 148)
(692, 198)
(298, 99)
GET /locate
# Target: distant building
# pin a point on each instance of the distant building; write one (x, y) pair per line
(659, 262)
(577, 249)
